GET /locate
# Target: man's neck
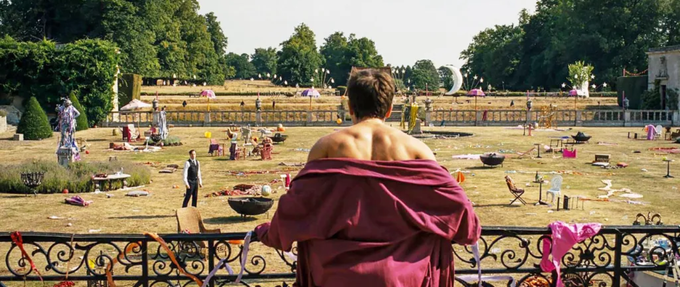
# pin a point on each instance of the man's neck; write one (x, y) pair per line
(370, 120)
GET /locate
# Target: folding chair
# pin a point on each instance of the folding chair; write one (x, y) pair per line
(517, 192)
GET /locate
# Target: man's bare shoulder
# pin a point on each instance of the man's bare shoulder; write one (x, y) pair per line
(417, 148)
(326, 143)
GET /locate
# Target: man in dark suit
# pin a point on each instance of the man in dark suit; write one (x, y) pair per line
(192, 179)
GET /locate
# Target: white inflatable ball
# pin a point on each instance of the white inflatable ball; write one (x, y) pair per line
(266, 190)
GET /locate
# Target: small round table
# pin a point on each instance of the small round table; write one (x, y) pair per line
(668, 168)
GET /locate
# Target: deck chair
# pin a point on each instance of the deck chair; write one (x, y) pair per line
(568, 153)
(189, 221)
(130, 133)
(555, 188)
(521, 154)
(517, 192)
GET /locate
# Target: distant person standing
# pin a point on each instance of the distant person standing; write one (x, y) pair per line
(184, 104)
(273, 105)
(192, 179)
(512, 103)
(243, 104)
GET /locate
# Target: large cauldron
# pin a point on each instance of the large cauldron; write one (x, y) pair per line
(250, 205)
(581, 137)
(492, 159)
(279, 138)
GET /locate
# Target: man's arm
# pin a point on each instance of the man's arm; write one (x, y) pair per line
(422, 150)
(186, 173)
(200, 179)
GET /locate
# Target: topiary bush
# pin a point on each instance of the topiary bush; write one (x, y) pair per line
(81, 121)
(34, 124)
(77, 178)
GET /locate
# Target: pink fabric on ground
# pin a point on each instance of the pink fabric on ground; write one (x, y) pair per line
(564, 237)
(373, 223)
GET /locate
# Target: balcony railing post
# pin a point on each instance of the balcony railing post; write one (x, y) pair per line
(618, 270)
(145, 263)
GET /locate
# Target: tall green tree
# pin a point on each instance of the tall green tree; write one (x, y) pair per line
(445, 77)
(334, 52)
(299, 58)
(217, 36)
(264, 60)
(242, 65)
(425, 75)
(341, 54)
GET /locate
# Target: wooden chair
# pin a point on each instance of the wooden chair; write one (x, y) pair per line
(189, 221)
(517, 192)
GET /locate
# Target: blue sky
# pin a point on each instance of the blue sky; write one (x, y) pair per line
(403, 31)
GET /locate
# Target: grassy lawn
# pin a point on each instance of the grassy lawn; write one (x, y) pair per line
(486, 187)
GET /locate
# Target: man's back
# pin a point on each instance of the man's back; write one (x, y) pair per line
(370, 140)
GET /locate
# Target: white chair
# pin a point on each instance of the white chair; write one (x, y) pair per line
(555, 188)
(658, 131)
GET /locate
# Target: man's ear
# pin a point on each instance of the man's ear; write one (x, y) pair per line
(389, 113)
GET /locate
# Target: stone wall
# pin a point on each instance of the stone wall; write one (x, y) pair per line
(13, 115)
(3, 124)
(664, 66)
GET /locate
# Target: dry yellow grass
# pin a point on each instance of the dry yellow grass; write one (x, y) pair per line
(485, 187)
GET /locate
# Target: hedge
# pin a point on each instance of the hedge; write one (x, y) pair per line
(33, 123)
(81, 121)
(77, 178)
(50, 72)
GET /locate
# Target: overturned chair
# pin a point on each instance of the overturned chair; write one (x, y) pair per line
(517, 192)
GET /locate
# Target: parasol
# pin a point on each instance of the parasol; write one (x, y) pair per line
(311, 93)
(208, 94)
(476, 93)
(135, 105)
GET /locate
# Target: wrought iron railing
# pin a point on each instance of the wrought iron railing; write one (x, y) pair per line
(610, 258)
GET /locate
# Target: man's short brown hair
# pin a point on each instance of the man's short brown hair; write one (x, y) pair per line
(370, 93)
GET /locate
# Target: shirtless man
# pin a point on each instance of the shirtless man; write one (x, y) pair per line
(369, 138)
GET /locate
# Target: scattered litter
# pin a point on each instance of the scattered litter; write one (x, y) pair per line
(592, 212)
(467, 156)
(108, 195)
(135, 210)
(138, 193)
(631, 195)
(510, 171)
(78, 201)
(94, 230)
(531, 213)
(292, 163)
(606, 143)
(167, 170)
(625, 217)
(550, 211)
(495, 250)
(671, 150)
(302, 149)
(506, 151)
(644, 170)
(69, 224)
(55, 217)
(636, 151)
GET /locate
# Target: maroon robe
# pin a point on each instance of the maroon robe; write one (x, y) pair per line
(373, 223)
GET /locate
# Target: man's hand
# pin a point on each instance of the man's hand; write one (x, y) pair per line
(200, 185)
(188, 187)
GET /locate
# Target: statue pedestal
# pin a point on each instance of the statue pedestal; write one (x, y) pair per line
(65, 156)
(416, 129)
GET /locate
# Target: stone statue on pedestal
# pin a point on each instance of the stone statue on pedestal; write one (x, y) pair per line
(67, 151)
